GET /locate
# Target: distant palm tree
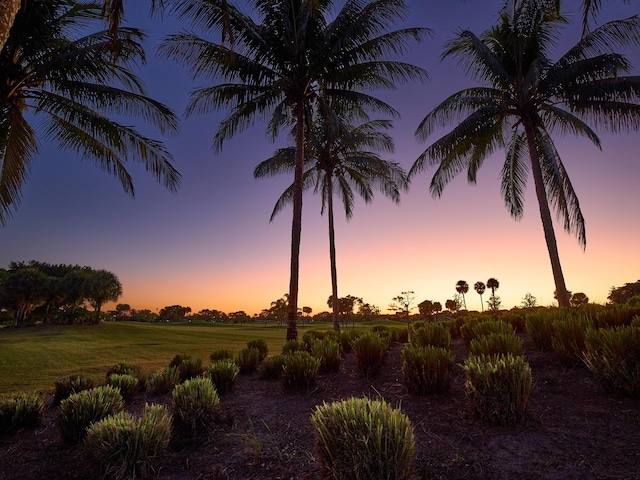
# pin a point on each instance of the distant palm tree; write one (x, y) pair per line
(342, 157)
(493, 285)
(530, 98)
(276, 67)
(479, 287)
(462, 287)
(73, 85)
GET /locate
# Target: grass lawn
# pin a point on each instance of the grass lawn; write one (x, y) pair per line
(32, 359)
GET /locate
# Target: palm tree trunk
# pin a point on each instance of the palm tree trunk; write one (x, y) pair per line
(332, 255)
(8, 11)
(545, 215)
(296, 226)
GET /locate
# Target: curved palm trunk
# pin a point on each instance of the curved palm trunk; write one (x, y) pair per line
(332, 256)
(545, 215)
(8, 11)
(296, 226)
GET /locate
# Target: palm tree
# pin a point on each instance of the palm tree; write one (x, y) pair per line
(493, 284)
(73, 85)
(345, 158)
(275, 67)
(529, 98)
(462, 287)
(480, 287)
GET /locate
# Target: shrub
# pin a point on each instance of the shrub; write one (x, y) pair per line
(476, 328)
(83, 408)
(126, 447)
(223, 374)
(164, 380)
(309, 336)
(540, 329)
(291, 346)
(362, 439)
(299, 371)
(426, 369)
(498, 388)
(194, 405)
(496, 344)
(261, 345)
(329, 353)
(434, 334)
(613, 355)
(20, 411)
(128, 384)
(370, 350)
(248, 360)
(221, 354)
(125, 369)
(346, 337)
(271, 367)
(516, 319)
(188, 367)
(568, 338)
(69, 385)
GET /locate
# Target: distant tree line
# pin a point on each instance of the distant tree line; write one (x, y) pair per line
(39, 291)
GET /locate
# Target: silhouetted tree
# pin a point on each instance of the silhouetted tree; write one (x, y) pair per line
(480, 287)
(529, 301)
(622, 294)
(462, 287)
(579, 299)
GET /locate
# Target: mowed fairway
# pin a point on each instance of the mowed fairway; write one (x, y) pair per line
(34, 358)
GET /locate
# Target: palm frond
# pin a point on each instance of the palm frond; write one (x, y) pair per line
(514, 174)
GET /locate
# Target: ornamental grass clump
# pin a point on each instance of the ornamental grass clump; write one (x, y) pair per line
(81, 409)
(309, 336)
(291, 346)
(127, 447)
(496, 344)
(568, 338)
(299, 371)
(362, 439)
(371, 350)
(431, 334)
(261, 345)
(426, 369)
(221, 354)
(539, 326)
(271, 367)
(248, 360)
(223, 374)
(330, 354)
(498, 388)
(69, 385)
(188, 367)
(478, 328)
(20, 411)
(164, 380)
(613, 355)
(194, 404)
(128, 385)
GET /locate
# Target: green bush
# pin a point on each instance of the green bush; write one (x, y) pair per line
(248, 360)
(221, 354)
(164, 380)
(188, 367)
(223, 374)
(346, 338)
(69, 385)
(299, 371)
(498, 388)
(329, 352)
(128, 384)
(83, 408)
(475, 328)
(20, 411)
(426, 369)
(362, 439)
(194, 405)
(271, 367)
(540, 329)
(516, 319)
(496, 344)
(126, 447)
(568, 338)
(613, 355)
(261, 345)
(371, 350)
(291, 346)
(310, 335)
(125, 369)
(434, 334)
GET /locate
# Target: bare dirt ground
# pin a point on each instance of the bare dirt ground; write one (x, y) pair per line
(574, 431)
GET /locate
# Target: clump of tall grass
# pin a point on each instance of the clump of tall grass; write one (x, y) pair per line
(329, 352)
(426, 369)
(291, 346)
(20, 411)
(261, 345)
(310, 335)
(371, 350)
(164, 380)
(478, 328)
(69, 385)
(496, 344)
(271, 367)
(568, 338)
(128, 385)
(498, 388)
(362, 439)
(434, 334)
(248, 360)
(221, 354)
(194, 404)
(86, 407)
(299, 371)
(539, 326)
(188, 367)
(127, 447)
(613, 355)
(223, 374)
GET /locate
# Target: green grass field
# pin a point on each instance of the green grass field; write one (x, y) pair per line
(32, 359)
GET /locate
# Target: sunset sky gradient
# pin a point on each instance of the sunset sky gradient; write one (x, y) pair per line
(210, 245)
